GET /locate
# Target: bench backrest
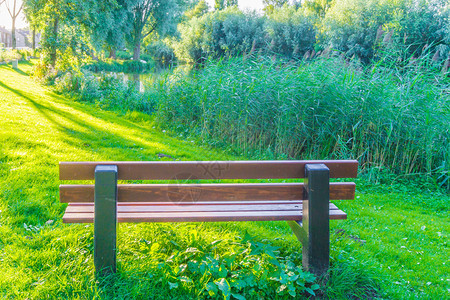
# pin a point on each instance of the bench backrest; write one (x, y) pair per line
(206, 170)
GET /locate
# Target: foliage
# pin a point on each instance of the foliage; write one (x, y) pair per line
(8, 55)
(199, 10)
(223, 4)
(291, 34)
(360, 27)
(247, 268)
(423, 25)
(110, 25)
(326, 109)
(111, 65)
(161, 52)
(230, 32)
(124, 55)
(151, 16)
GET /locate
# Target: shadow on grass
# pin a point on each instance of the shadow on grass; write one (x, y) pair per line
(20, 72)
(88, 133)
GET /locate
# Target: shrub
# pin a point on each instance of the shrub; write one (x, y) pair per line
(230, 32)
(290, 33)
(161, 52)
(124, 55)
(8, 55)
(227, 32)
(361, 27)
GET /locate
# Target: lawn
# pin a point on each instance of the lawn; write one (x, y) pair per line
(394, 244)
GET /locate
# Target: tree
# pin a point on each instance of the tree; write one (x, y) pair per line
(318, 7)
(270, 5)
(110, 25)
(149, 16)
(32, 10)
(199, 10)
(222, 4)
(14, 13)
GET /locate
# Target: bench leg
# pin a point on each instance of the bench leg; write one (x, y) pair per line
(314, 231)
(105, 219)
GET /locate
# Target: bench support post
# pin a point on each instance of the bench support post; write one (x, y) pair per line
(105, 219)
(314, 230)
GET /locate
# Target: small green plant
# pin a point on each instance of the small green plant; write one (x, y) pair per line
(246, 270)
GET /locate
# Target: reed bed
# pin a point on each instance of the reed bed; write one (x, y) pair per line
(387, 117)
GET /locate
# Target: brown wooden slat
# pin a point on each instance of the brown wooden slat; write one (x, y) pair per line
(200, 216)
(181, 170)
(204, 192)
(270, 206)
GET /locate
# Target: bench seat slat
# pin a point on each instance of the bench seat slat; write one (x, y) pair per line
(205, 192)
(200, 216)
(177, 170)
(84, 213)
(193, 208)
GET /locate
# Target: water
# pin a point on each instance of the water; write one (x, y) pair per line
(144, 79)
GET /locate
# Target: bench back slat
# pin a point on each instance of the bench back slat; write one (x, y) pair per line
(182, 170)
(205, 192)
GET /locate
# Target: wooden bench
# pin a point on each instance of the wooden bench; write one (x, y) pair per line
(304, 205)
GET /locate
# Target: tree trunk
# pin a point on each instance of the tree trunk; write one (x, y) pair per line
(53, 48)
(33, 40)
(13, 33)
(137, 51)
(112, 52)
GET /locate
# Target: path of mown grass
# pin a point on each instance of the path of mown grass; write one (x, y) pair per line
(389, 247)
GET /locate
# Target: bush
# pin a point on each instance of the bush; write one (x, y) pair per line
(9, 55)
(227, 32)
(359, 28)
(291, 34)
(230, 32)
(124, 55)
(105, 90)
(161, 53)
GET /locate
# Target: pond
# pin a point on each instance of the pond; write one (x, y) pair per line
(142, 80)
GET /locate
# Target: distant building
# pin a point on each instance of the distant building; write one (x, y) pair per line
(23, 38)
(5, 37)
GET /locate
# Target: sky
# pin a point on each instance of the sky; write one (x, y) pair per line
(244, 4)
(5, 19)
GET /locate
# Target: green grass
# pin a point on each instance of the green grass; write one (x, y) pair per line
(394, 244)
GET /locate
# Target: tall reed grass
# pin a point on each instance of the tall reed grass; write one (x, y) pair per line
(385, 117)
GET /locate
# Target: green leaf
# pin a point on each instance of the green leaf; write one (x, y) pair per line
(310, 291)
(239, 297)
(211, 288)
(174, 243)
(223, 271)
(315, 286)
(281, 288)
(224, 287)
